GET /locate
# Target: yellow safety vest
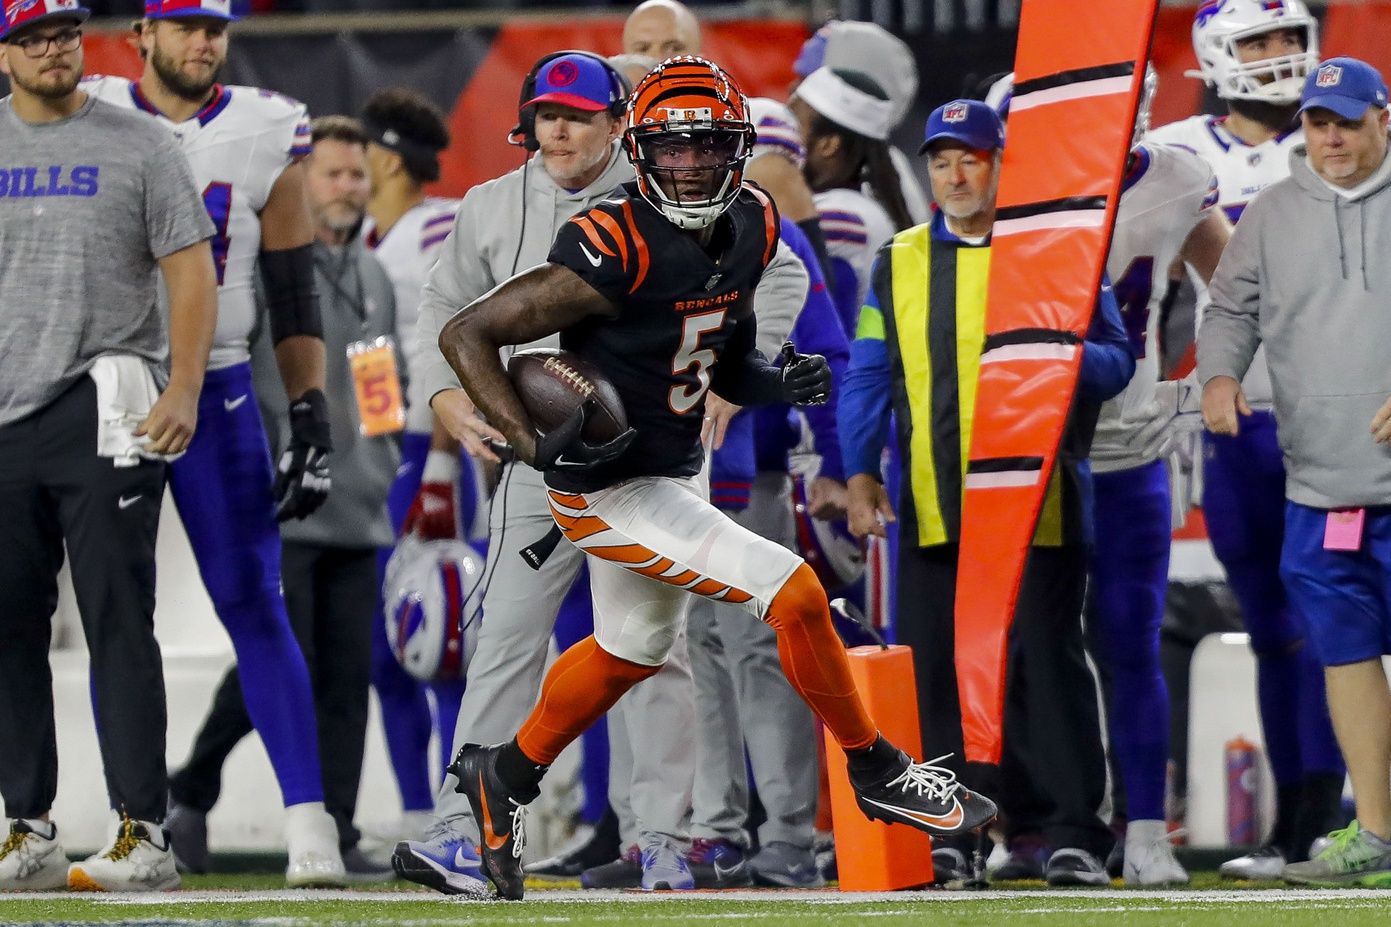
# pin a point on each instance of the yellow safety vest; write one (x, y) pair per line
(933, 298)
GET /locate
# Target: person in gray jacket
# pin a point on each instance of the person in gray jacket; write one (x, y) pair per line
(1317, 301)
(571, 118)
(330, 557)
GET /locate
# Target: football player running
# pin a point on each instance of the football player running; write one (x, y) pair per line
(244, 146)
(654, 286)
(1256, 54)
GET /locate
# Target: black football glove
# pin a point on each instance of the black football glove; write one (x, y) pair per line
(302, 480)
(806, 378)
(562, 448)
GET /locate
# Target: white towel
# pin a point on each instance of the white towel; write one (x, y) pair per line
(126, 391)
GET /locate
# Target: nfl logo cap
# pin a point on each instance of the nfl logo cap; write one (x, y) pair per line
(20, 14)
(970, 122)
(1344, 85)
(578, 81)
(178, 9)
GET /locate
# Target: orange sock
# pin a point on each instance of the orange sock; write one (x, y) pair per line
(813, 657)
(581, 685)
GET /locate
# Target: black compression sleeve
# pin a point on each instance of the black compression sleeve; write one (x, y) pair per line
(743, 375)
(291, 294)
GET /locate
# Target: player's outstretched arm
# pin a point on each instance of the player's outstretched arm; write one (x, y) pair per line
(531, 305)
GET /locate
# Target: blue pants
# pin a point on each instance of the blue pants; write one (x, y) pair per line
(222, 487)
(1346, 594)
(1244, 503)
(1129, 566)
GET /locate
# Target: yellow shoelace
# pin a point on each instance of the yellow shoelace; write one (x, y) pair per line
(12, 843)
(126, 842)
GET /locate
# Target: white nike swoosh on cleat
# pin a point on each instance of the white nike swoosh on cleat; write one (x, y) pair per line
(952, 819)
(126, 502)
(591, 258)
(231, 405)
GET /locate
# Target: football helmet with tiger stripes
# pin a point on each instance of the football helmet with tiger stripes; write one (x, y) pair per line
(688, 136)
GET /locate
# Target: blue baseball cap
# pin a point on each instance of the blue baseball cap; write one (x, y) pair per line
(579, 81)
(20, 14)
(1344, 85)
(183, 9)
(970, 122)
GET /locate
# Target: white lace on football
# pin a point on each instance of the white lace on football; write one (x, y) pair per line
(936, 782)
(518, 829)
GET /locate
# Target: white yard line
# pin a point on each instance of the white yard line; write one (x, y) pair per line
(1190, 897)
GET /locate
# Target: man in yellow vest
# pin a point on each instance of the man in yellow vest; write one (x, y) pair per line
(916, 355)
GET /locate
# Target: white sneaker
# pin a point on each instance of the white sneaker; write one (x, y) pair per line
(1149, 856)
(138, 860)
(31, 862)
(1264, 865)
(311, 840)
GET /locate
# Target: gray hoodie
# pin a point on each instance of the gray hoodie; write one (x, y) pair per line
(1308, 274)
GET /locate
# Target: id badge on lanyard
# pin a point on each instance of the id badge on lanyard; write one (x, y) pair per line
(381, 409)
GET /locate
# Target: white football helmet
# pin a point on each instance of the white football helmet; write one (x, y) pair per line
(828, 547)
(1220, 24)
(434, 607)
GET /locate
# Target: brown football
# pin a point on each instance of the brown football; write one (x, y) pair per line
(552, 384)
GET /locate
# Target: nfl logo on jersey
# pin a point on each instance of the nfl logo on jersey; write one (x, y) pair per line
(954, 113)
(1329, 75)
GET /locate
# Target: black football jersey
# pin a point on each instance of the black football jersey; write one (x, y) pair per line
(677, 305)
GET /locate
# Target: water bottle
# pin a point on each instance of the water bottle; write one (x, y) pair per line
(1242, 789)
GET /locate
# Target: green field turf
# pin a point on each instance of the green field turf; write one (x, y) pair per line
(248, 900)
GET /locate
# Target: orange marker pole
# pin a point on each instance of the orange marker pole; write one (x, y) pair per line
(870, 855)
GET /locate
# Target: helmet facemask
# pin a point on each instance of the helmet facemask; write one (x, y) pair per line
(691, 176)
(1279, 80)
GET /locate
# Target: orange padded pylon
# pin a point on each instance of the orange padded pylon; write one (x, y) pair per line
(872, 856)
(1077, 80)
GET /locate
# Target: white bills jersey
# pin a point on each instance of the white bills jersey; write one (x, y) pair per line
(1166, 192)
(408, 251)
(1242, 171)
(238, 146)
(856, 227)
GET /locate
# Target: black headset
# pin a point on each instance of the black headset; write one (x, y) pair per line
(524, 133)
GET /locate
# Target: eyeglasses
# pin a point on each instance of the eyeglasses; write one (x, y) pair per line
(36, 46)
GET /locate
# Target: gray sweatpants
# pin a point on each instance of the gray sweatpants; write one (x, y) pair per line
(504, 678)
(746, 701)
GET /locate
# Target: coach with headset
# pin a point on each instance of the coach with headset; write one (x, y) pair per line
(571, 116)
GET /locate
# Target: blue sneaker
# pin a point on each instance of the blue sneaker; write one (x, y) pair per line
(718, 863)
(447, 863)
(664, 869)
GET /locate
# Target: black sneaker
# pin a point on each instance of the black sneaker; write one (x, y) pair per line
(501, 817)
(624, 872)
(188, 835)
(1072, 866)
(1028, 855)
(921, 795)
(949, 865)
(599, 848)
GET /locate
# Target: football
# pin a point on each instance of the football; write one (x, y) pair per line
(552, 384)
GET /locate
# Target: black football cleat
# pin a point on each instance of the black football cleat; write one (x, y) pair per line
(501, 817)
(922, 795)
